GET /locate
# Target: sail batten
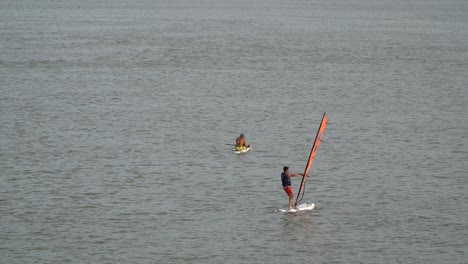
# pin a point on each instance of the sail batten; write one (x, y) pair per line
(318, 139)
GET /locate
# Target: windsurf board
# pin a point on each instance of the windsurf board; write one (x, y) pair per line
(302, 207)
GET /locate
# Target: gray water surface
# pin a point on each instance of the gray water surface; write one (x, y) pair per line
(118, 120)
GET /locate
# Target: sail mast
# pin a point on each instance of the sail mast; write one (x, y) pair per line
(318, 139)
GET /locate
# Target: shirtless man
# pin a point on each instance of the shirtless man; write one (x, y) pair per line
(240, 143)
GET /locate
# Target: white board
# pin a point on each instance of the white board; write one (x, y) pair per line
(241, 151)
(302, 207)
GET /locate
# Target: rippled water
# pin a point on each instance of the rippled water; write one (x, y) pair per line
(118, 119)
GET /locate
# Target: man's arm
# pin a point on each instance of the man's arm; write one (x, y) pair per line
(244, 144)
(295, 174)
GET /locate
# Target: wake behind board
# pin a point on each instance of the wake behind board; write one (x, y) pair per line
(302, 207)
(244, 150)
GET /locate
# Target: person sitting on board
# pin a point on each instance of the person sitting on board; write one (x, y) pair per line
(240, 143)
(286, 180)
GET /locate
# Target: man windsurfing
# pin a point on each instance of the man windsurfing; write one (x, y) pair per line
(286, 181)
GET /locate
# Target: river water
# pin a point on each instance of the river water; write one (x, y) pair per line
(118, 120)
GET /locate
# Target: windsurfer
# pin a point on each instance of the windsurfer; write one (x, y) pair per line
(286, 180)
(240, 143)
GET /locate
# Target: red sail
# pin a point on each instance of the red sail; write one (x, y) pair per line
(317, 140)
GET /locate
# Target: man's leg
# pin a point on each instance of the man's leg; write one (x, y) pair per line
(291, 201)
